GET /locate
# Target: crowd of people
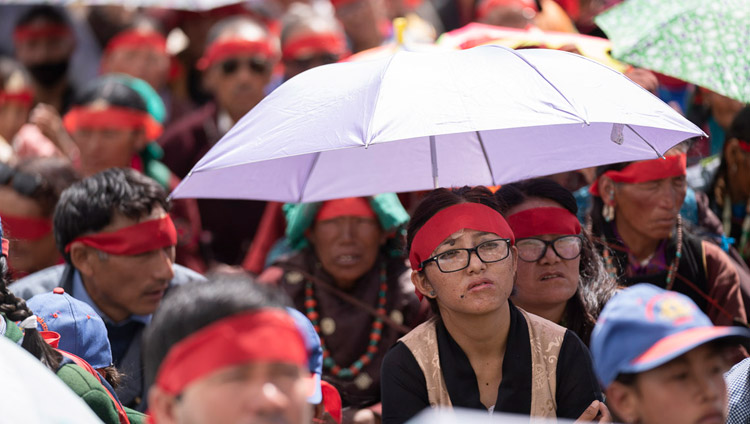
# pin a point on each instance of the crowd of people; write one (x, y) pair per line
(611, 294)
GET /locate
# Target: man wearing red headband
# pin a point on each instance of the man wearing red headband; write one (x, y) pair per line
(237, 66)
(118, 242)
(44, 41)
(226, 352)
(310, 37)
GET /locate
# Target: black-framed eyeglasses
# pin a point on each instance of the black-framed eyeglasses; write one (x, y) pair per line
(23, 183)
(566, 247)
(256, 64)
(457, 259)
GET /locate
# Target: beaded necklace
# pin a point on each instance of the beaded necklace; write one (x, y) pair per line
(375, 333)
(727, 216)
(612, 269)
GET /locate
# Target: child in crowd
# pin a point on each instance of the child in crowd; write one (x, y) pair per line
(661, 359)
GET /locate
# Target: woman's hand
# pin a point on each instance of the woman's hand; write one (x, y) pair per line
(596, 411)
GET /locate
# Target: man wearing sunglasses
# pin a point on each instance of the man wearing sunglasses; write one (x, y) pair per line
(310, 37)
(237, 66)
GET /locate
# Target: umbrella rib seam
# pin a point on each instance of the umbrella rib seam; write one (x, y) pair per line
(486, 158)
(576, 111)
(368, 135)
(307, 178)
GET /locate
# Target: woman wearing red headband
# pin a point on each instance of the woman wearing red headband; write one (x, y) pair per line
(347, 275)
(561, 277)
(492, 355)
(635, 212)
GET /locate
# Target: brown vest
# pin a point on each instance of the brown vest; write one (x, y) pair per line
(545, 338)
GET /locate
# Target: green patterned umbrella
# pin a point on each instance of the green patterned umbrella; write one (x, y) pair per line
(705, 42)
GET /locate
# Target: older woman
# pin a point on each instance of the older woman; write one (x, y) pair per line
(636, 215)
(346, 274)
(561, 277)
(492, 355)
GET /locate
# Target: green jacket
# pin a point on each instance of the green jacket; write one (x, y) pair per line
(85, 385)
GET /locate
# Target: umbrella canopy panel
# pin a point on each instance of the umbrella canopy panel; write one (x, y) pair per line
(700, 41)
(487, 115)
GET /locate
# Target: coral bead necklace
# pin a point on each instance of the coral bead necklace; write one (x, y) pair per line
(375, 333)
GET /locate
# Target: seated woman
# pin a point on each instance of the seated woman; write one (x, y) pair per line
(635, 214)
(463, 260)
(28, 194)
(347, 275)
(561, 277)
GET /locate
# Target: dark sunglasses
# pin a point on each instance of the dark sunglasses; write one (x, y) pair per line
(23, 183)
(257, 65)
(313, 60)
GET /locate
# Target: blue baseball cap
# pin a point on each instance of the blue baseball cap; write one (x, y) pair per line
(82, 330)
(314, 352)
(644, 326)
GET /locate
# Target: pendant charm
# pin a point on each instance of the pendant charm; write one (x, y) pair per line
(327, 326)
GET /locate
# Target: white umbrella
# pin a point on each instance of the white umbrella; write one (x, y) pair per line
(30, 393)
(413, 121)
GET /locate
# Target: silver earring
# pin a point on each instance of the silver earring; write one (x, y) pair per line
(608, 212)
(432, 293)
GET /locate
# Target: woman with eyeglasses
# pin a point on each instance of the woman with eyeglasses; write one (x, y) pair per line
(560, 275)
(480, 351)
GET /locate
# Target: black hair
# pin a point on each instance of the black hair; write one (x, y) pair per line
(113, 90)
(90, 204)
(54, 14)
(437, 200)
(55, 175)
(595, 286)
(739, 129)
(16, 310)
(192, 306)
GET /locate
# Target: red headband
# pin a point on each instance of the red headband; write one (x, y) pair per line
(539, 221)
(223, 49)
(352, 206)
(29, 32)
(5, 247)
(646, 170)
(475, 216)
(267, 335)
(486, 6)
(316, 43)
(133, 240)
(25, 97)
(25, 228)
(135, 38)
(744, 145)
(114, 117)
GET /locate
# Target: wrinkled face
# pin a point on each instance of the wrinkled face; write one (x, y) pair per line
(649, 209)
(687, 390)
(550, 281)
(104, 148)
(143, 62)
(27, 255)
(477, 289)
(127, 285)
(238, 82)
(347, 247)
(256, 393)
(12, 117)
